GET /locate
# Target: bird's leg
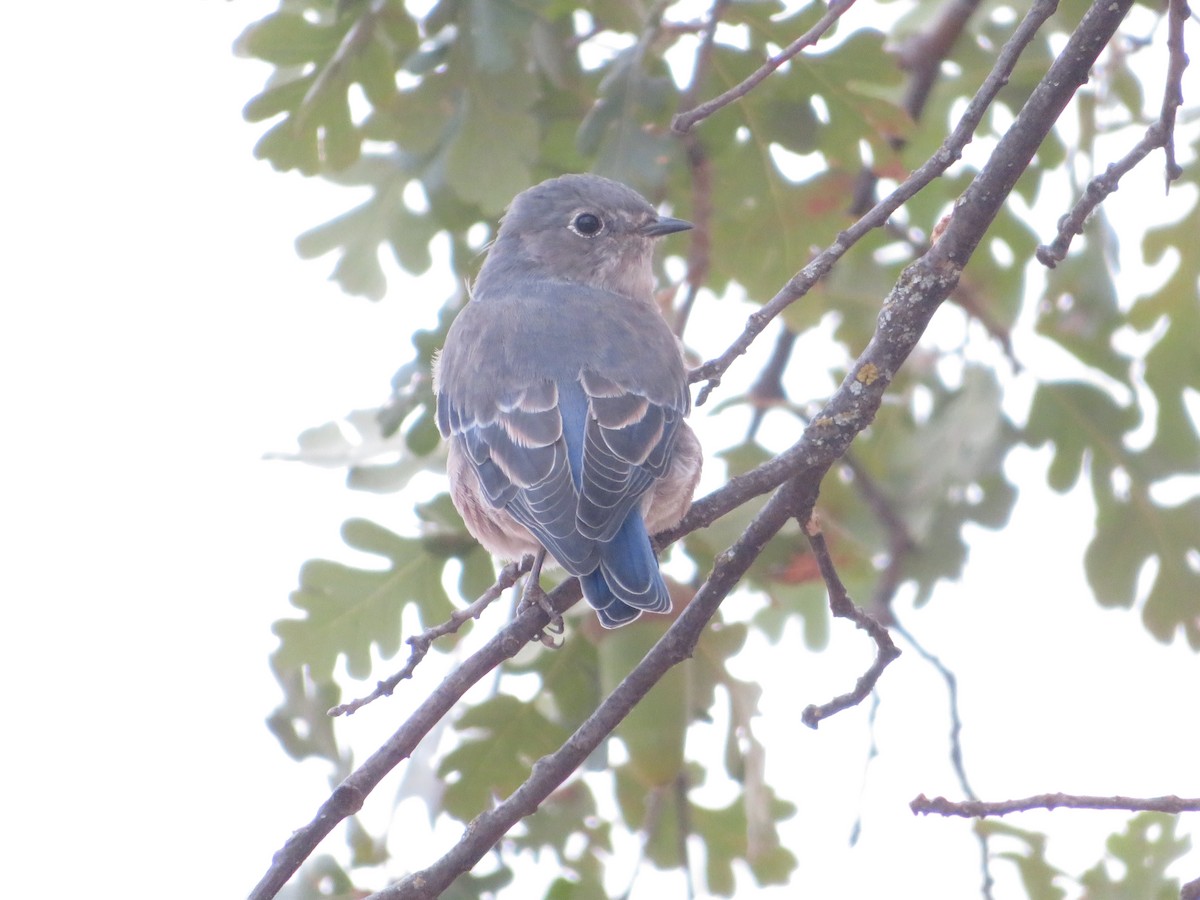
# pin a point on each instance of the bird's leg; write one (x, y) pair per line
(533, 594)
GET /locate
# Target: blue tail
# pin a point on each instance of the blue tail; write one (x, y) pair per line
(628, 581)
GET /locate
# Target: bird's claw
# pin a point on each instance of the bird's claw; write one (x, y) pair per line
(535, 596)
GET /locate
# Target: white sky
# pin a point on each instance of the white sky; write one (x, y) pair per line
(159, 335)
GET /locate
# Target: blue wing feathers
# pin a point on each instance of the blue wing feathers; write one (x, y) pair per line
(571, 466)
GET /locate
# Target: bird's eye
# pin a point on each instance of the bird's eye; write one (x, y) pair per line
(587, 224)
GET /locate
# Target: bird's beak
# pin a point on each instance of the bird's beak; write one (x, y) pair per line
(664, 225)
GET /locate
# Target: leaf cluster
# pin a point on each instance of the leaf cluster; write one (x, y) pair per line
(443, 115)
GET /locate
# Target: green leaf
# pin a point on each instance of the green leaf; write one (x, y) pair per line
(469, 886)
(569, 811)
(655, 730)
(570, 681)
(1037, 874)
(1079, 309)
(349, 610)
(502, 738)
(302, 723)
(1143, 852)
(1081, 421)
(288, 39)
(725, 833)
(477, 167)
(1128, 534)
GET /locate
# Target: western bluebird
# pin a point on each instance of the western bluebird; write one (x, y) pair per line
(562, 392)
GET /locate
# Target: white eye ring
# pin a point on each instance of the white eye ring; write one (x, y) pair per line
(587, 225)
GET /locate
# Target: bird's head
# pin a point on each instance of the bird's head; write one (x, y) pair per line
(584, 229)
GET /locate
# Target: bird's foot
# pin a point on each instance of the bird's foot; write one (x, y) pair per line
(535, 596)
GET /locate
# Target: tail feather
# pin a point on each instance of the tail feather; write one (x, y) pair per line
(628, 581)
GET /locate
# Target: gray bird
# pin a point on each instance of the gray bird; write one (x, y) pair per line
(562, 392)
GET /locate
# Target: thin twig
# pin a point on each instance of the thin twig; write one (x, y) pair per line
(843, 607)
(767, 390)
(700, 169)
(1177, 11)
(942, 159)
(1160, 134)
(685, 121)
(977, 809)
(956, 753)
(922, 54)
(900, 542)
(354, 42)
(1050, 255)
(700, 243)
(421, 643)
(956, 757)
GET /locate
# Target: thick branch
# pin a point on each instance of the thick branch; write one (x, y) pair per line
(978, 809)
(977, 207)
(348, 796)
(550, 771)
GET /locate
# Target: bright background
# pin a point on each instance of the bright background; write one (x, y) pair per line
(158, 335)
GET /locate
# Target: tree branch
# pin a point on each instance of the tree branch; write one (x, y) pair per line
(843, 607)
(685, 121)
(348, 796)
(355, 40)
(550, 771)
(421, 643)
(700, 245)
(956, 754)
(946, 155)
(767, 390)
(922, 54)
(978, 809)
(900, 542)
(1160, 134)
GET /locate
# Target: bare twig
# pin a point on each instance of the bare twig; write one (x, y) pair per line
(922, 54)
(354, 42)
(421, 643)
(976, 809)
(767, 390)
(946, 155)
(1050, 255)
(843, 607)
(1177, 12)
(685, 121)
(1160, 134)
(700, 244)
(900, 542)
(956, 754)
